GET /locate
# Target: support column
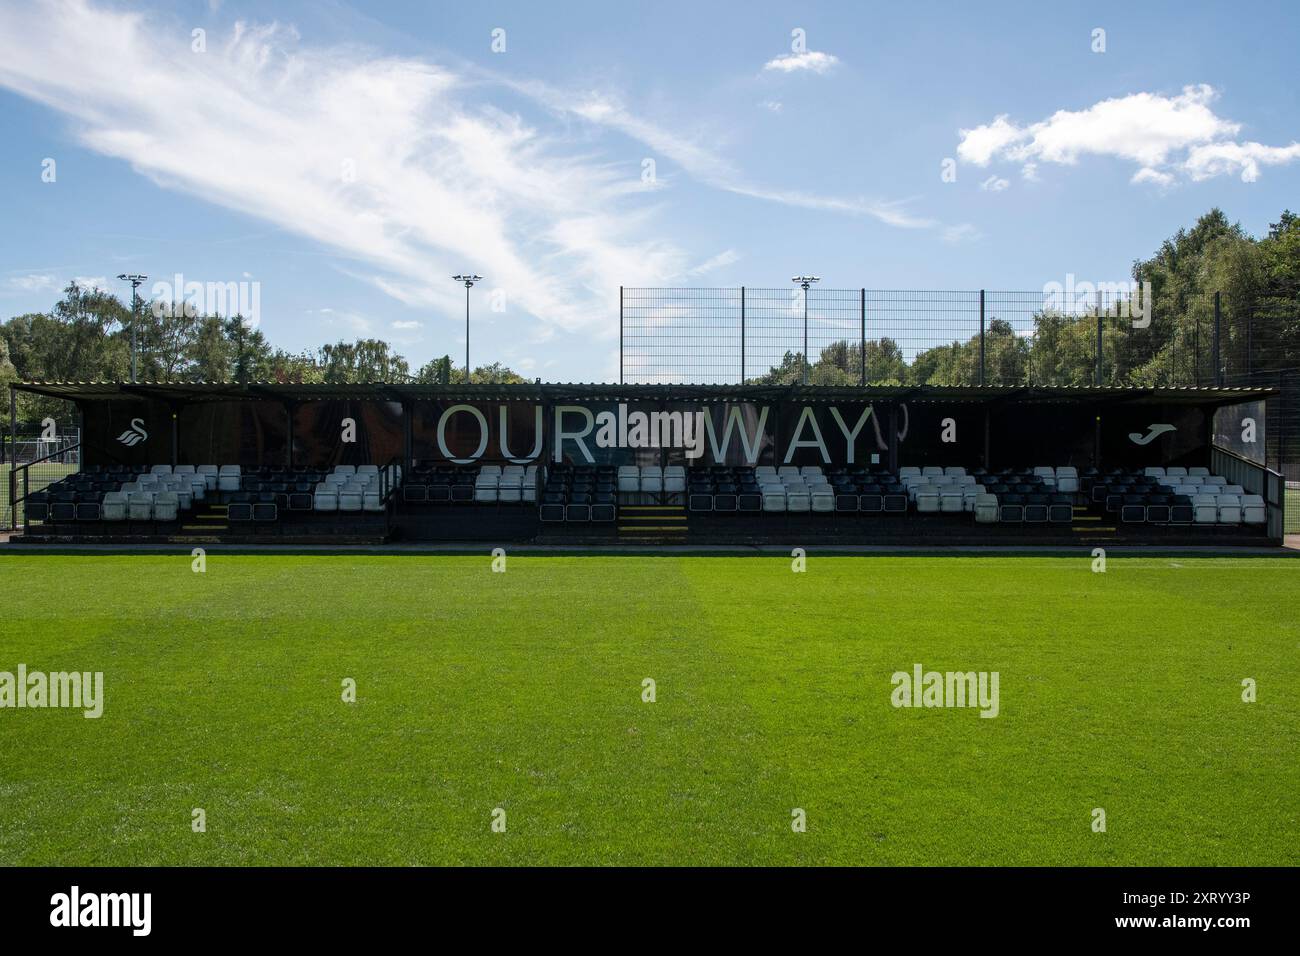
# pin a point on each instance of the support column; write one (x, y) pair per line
(893, 438)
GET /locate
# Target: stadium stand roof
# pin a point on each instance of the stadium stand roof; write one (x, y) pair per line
(186, 392)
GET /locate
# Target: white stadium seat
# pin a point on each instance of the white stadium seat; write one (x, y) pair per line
(326, 497)
(1253, 510)
(927, 499)
(350, 496)
(165, 506)
(139, 506)
(986, 509)
(1205, 509)
(1229, 509)
(113, 507)
(228, 479)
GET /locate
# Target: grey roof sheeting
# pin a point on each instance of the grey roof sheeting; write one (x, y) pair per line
(188, 392)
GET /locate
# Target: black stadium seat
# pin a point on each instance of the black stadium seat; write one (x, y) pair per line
(603, 507)
(265, 507)
(1158, 509)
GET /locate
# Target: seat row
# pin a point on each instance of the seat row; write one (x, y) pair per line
(486, 484)
(651, 479)
(349, 489)
(581, 494)
(1230, 508)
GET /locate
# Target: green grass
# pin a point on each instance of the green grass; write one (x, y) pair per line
(523, 691)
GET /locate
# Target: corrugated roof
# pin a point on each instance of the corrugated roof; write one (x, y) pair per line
(184, 392)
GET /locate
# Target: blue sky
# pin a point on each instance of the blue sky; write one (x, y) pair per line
(350, 159)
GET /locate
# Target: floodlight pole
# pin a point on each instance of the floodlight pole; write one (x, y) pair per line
(136, 281)
(469, 279)
(804, 282)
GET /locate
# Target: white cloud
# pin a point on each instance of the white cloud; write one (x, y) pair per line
(1163, 135)
(1217, 159)
(378, 158)
(963, 232)
(33, 283)
(406, 325)
(994, 184)
(774, 105)
(94, 282)
(814, 61)
(1148, 175)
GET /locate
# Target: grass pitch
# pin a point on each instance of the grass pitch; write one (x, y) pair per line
(523, 691)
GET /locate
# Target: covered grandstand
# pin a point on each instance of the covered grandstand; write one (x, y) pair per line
(601, 463)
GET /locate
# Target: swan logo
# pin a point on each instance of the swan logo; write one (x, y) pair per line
(135, 434)
(1153, 432)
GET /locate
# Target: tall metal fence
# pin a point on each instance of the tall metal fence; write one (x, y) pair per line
(872, 336)
(977, 337)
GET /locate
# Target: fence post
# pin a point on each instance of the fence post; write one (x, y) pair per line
(13, 459)
(862, 337)
(981, 337)
(1196, 349)
(1218, 364)
(620, 335)
(1097, 371)
(742, 335)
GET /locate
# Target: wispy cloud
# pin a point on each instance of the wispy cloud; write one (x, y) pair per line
(994, 184)
(378, 158)
(32, 283)
(1163, 135)
(707, 166)
(720, 261)
(813, 61)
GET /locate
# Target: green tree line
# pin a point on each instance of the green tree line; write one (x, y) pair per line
(1259, 284)
(86, 337)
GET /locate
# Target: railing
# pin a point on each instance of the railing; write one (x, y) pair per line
(1256, 479)
(56, 465)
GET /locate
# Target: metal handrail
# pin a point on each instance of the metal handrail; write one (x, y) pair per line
(14, 469)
